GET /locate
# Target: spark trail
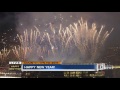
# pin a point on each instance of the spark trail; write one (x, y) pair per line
(59, 44)
(89, 41)
(4, 54)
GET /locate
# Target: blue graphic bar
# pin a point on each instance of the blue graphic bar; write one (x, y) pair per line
(32, 67)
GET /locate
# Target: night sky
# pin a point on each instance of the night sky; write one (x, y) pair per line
(15, 22)
(20, 21)
(12, 23)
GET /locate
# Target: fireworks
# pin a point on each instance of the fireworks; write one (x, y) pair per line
(30, 47)
(53, 44)
(4, 54)
(89, 41)
(29, 39)
(21, 52)
(61, 44)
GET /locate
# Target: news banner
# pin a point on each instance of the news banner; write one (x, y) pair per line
(57, 66)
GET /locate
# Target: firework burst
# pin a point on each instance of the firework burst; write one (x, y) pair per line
(59, 44)
(89, 41)
(4, 54)
(22, 53)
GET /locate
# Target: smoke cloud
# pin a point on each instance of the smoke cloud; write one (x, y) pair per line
(28, 20)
